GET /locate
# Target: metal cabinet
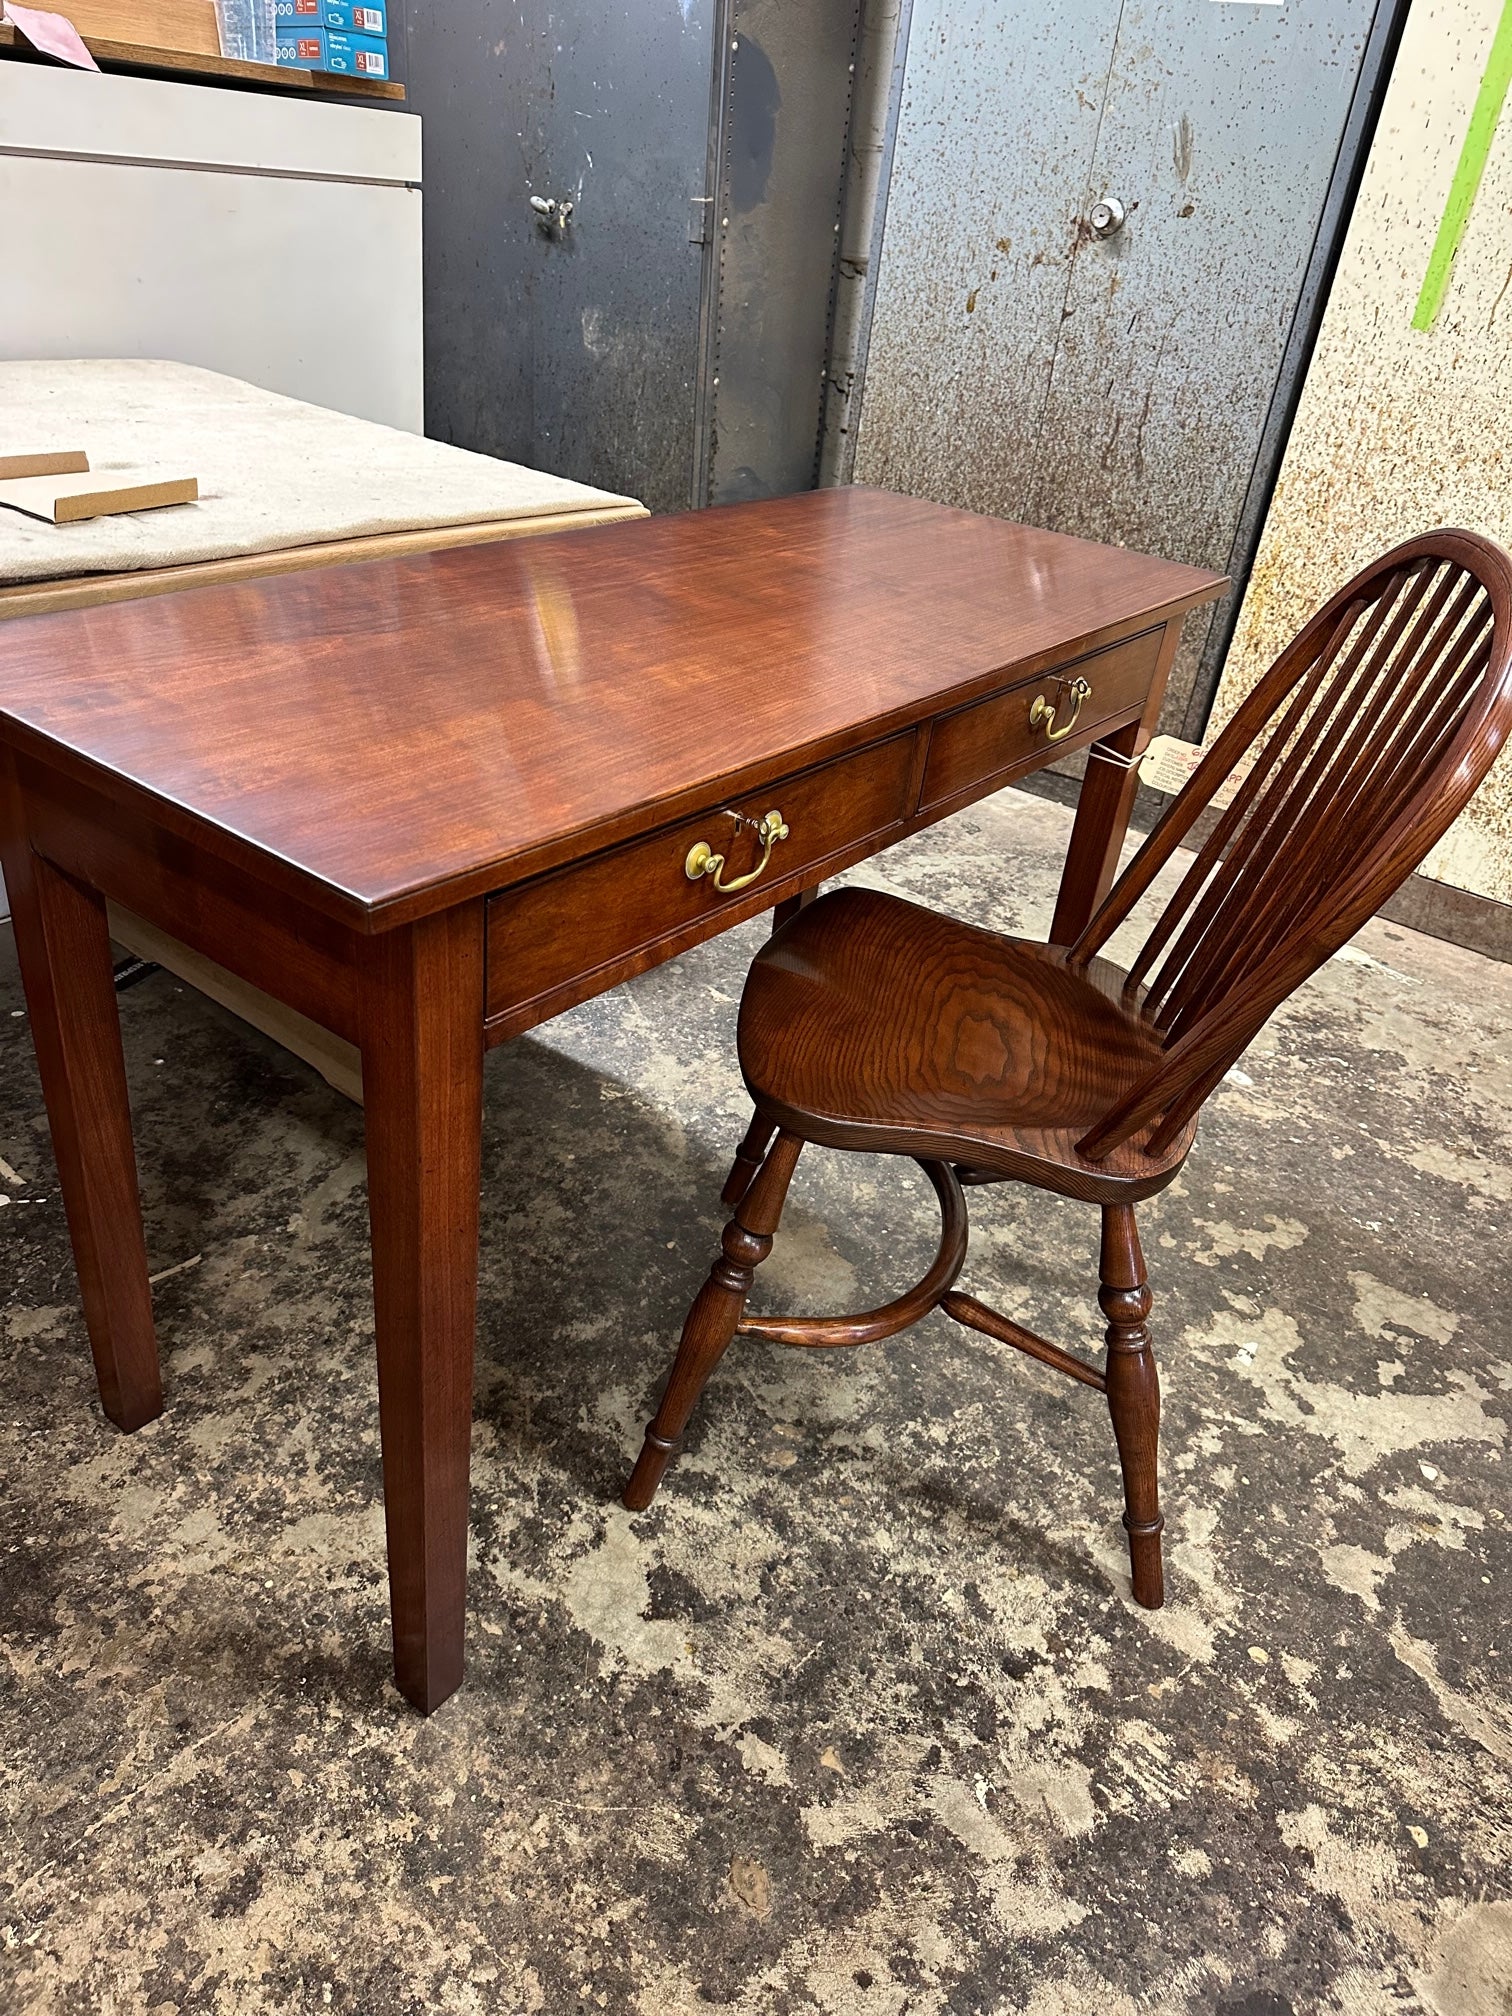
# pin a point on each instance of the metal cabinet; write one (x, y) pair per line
(1101, 221)
(777, 159)
(631, 234)
(568, 341)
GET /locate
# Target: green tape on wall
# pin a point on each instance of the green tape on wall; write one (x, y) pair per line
(1467, 175)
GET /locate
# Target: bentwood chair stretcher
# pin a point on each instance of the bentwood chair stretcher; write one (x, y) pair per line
(429, 802)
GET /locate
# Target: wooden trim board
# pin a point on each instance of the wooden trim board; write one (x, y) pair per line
(88, 591)
(70, 499)
(337, 1061)
(44, 462)
(188, 26)
(136, 56)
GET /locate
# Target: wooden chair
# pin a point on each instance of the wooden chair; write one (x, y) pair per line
(869, 1023)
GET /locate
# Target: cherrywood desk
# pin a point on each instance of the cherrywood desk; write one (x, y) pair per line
(430, 801)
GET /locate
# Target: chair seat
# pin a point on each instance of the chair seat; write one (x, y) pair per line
(870, 1023)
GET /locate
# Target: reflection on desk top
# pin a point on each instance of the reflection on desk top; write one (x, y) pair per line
(404, 733)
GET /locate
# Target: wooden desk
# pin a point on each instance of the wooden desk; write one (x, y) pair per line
(430, 801)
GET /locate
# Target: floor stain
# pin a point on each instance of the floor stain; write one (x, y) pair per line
(860, 1717)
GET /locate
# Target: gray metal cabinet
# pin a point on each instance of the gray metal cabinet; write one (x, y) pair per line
(667, 334)
(782, 110)
(571, 347)
(1100, 219)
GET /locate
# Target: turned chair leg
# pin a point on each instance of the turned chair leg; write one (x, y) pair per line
(1133, 1396)
(714, 1315)
(749, 1157)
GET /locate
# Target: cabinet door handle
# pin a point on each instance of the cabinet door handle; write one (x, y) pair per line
(1044, 711)
(702, 860)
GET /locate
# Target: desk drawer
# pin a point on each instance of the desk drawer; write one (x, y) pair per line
(570, 933)
(981, 743)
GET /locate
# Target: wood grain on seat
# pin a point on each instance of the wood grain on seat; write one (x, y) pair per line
(873, 1024)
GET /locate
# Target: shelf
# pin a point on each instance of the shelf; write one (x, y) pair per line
(186, 64)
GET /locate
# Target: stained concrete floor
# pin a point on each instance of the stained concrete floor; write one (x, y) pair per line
(860, 1717)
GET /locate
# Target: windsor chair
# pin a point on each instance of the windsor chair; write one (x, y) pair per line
(871, 1024)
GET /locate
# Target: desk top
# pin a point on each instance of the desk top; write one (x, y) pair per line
(402, 734)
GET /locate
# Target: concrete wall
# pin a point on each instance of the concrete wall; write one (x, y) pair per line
(1402, 429)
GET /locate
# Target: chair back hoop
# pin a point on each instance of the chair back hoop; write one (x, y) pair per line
(1349, 760)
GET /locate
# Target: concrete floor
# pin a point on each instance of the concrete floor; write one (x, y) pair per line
(860, 1717)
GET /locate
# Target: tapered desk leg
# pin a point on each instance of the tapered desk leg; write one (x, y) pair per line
(1102, 819)
(422, 1081)
(1103, 808)
(790, 906)
(64, 948)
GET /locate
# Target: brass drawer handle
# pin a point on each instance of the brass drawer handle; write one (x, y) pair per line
(702, 860)
(1045, 710)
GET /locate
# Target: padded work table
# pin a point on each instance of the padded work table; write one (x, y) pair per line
(282, 485)
(430, 801)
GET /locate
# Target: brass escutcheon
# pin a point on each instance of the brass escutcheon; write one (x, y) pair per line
(703, 861)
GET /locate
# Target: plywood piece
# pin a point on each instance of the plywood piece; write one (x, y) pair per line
(337, 1061)
(187, 25)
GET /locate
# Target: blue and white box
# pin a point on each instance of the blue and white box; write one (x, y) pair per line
(351, 17)
(301, 48)
(355, 55)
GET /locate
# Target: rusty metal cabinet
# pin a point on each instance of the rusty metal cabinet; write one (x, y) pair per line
(570, 346)
(1100, 223)
(777, 159)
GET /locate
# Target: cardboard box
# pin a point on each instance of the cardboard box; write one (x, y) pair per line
(355, 55)
(352, 17)
(301, 48)
(301, 14)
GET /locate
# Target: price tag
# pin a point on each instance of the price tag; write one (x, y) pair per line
(1169, 763)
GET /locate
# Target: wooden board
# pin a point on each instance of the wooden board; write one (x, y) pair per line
(337, 1061)
(186, 25)
(69, 499)
(44, 462)
(112, 55)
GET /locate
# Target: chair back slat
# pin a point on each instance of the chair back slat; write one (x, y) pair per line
(1350, 758)
(1316, 814)
(1296, 662)
(1215, 849)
